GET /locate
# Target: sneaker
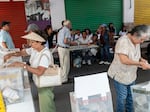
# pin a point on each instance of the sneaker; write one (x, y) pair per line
(83, 62)
(106, 63)
(101, 62)
(89, 62)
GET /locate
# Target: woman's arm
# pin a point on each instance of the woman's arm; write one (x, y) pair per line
(21, 53)
(141, 63)
(125, 60)
(37, 71)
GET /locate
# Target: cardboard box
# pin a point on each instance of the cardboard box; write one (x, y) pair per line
(141, 97)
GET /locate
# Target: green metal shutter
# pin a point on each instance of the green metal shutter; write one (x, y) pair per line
(91, 13)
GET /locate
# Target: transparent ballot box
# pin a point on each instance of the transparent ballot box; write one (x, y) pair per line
(4, 52)
(95, 103)
(11, 85)
(91, 94)
(141, 97)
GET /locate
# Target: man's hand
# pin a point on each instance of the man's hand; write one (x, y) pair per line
(7, 56)
(16, 64)
(144, 65)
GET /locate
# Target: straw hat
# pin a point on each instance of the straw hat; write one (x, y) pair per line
(34, 36)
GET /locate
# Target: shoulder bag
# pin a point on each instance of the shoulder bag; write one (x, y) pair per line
(51, 76)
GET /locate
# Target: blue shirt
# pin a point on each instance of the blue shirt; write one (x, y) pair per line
(5, 37)
(62, 34)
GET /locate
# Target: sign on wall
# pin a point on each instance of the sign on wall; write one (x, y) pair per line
(38, 12)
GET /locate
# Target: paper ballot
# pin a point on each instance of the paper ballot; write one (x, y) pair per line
(91, 85)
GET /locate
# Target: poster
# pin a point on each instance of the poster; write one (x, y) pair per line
(38, 12)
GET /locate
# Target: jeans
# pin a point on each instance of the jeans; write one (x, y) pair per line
(105, 54)
(123, 97)
(86, 55)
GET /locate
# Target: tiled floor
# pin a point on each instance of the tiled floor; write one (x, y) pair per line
(62, 93)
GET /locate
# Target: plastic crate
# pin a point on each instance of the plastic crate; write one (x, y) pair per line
(141, 97)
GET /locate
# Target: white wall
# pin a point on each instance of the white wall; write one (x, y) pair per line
(57, 10)
(128, 11)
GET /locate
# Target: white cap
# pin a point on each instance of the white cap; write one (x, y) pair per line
(32, 27)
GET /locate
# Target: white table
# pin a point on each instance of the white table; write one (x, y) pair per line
(81, 47)
(74, 48)
(25, 106)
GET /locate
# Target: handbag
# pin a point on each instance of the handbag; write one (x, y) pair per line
(50, 78)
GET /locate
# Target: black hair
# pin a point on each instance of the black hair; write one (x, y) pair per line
(139, 30)
(47, 28)
(88, 30)
(123, 27)
(43, 35)
(95, 35)
(62, 23)
(111, 29)
(83, 32)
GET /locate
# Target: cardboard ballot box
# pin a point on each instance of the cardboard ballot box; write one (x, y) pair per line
(11, 85)
(141, 97)
(91, 94)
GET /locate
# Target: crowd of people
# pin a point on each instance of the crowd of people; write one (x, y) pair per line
(124, 60)
(103, 37)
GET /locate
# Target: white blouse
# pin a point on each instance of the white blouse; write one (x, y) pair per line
(43, 58)
(123, 73)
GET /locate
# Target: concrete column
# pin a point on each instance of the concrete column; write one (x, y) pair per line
(128, 13)
(57, 10)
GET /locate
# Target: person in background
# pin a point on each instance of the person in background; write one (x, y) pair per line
(99, 31)
(77, 34)
(72, 34)
(94, 50)
(50, 35)
(123, 69)
(40, 57)
(5, 38)
(112, 29)
(89, 33)
(104, 45)
(86, 54)
(31, 28)
(112, 32)
(64, 42)
(123, 31)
